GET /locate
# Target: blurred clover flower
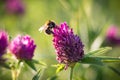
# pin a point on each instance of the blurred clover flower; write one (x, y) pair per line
(3, 42)
(112, 37)
(22, 47)
(69, 47)
(14, 6)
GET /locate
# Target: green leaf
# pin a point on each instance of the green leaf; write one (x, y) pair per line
(60, 67)
(37, 76)
(39, 62)
(5, 65)
(114, 70)
(107, 59)
(99, 60)
(91, 60)
(99, 51)
(30, 64)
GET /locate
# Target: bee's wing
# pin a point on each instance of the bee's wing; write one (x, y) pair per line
(42, 28)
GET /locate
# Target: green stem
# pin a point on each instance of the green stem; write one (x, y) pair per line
(71, 73)
(15, 70)
(14, 74)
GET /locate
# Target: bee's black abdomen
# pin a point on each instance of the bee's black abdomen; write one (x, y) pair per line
(48, 31)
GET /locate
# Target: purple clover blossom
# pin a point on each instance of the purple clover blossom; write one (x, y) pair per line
(69, 48)
(22, 47)
(14, 7)
(3, 42)
(112, 37)
(112, 31)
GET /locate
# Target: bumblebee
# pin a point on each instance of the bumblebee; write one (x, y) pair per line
(47, 27)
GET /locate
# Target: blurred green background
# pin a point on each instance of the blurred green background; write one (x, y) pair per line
(90, 19)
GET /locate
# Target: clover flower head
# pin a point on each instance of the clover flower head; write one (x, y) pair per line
(112, 32)
(68, 46)
(112, 36)
(14, 6)
(22, 47)
(3, 42)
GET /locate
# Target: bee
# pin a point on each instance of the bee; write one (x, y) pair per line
(47, 27)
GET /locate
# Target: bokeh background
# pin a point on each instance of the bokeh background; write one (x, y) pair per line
(90, 19)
